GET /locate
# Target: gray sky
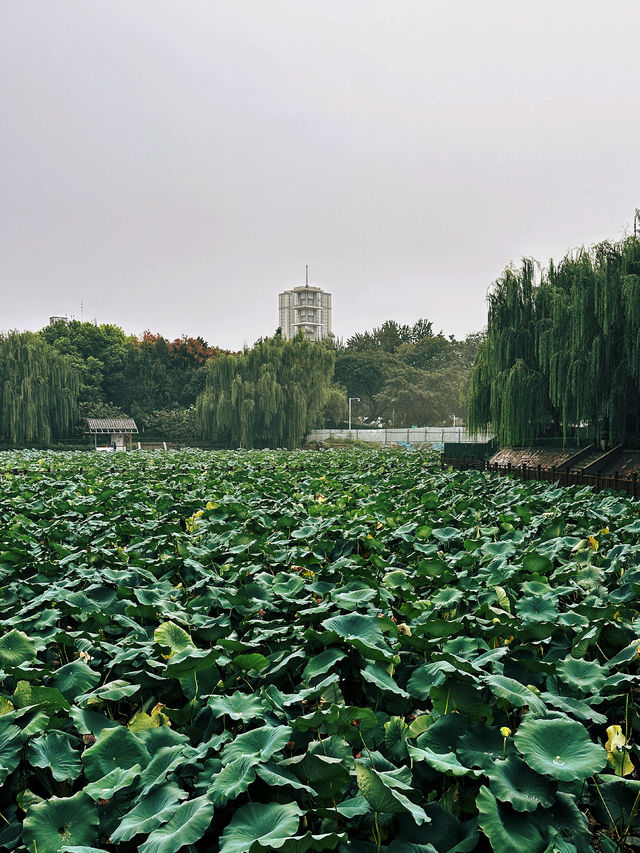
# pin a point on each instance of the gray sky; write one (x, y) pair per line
(173, 164)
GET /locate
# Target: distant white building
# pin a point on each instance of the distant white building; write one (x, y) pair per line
(305, 308)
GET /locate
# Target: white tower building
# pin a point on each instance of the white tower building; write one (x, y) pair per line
(305, 308)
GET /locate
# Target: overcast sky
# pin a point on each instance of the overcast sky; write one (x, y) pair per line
(174, 164)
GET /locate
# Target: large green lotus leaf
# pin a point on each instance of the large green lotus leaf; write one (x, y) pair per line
(578, 708)
(16, 649)
(172, 635)
(189, 823)
(90, 722)
(113, 691)
(514, 692)
(428, 675)
(446, 762)
(56, 823)
(587, 676)
(153, 809)
(375, 675)
(482, 745)
(537, 608)
(75, 678)
(277, 774)
(377, 788)
(568, 820)
(165, 760)
(363, 632)
(395, 744)
(619, 795)
(10, 747)
(248, 662)
(287, 586)
(443, 735)
(446, 598)
(105, 788)
(231, 781)
(257, 744)
(190, 660)
(260, 825)
(446, 534)
(507, 830)
(27, 695)
(325, 774)
(560, 748)
(322, 663)
(354, 807)
(114, 748)
(536, 563)
(352, 595)
(445, 832)
(512, 781)
(455, 695)
(55, 751)
(238, 706)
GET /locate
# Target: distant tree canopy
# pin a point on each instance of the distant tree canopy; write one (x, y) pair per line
(139, 377)
(269, 395)
(38, 389)
(406, 374)
(564, 353)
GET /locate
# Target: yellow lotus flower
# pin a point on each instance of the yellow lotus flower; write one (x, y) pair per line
(505, 731)
(616, 752)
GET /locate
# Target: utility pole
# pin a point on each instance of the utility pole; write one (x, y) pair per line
(350, 399)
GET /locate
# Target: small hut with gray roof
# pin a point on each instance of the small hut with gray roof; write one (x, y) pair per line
(119, 431)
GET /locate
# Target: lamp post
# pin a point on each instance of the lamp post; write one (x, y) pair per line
(350, 399)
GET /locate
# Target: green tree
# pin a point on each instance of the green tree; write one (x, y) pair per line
(269, 395)
(564, 353)
(38, 389)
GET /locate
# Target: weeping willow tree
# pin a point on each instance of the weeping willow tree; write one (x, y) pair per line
(564, 353)
(38, 390)
(270, 395)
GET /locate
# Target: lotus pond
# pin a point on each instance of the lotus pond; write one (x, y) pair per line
(352, 651)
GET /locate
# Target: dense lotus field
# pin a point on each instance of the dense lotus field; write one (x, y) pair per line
(353, 651)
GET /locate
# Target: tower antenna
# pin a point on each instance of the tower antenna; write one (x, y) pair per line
(307, 271)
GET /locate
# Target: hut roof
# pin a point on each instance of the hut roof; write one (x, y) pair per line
(104, 425)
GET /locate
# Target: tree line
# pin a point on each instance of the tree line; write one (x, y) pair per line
(269, 395)
(562, 355)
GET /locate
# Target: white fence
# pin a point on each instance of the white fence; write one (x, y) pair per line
(415, 435)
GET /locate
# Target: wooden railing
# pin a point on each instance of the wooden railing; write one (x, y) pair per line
(598, 482)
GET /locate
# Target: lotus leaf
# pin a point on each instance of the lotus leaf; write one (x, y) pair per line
(258, 744)
(238, 706)
(16, 649)
(383, 796)
(515, 783)
(560, 748)
(265, 825)
(114, 749)
(55, 750)
(188, 824)
(152, 810)
(587, 676)
(58, 822)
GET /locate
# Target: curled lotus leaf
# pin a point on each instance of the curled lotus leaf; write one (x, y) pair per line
(267, 825)
(508, 831)
(512, 781)
(187, 825)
